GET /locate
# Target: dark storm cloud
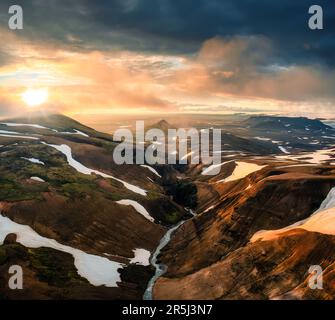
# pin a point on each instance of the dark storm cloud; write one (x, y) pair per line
(180, 26)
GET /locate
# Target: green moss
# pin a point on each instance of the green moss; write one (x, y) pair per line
(112, 196)
(59, 176)
(153, 195)
(13, 191)
(172, 217)
(76, 190)
(54, 267)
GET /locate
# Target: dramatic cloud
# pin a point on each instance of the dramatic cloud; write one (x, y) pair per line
(245, 67)
(166, 55)
(178, 26)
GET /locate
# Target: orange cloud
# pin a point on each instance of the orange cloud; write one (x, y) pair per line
(242, 68)
(237, 72)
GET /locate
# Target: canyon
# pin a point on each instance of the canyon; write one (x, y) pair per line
(83, 227)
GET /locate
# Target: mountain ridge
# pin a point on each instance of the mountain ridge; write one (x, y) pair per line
(78, 197)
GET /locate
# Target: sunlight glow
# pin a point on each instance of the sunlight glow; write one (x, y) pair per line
(35, 97)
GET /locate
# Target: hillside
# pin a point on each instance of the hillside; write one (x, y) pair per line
(83, 227)
(59, 178)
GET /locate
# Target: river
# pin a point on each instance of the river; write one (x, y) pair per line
(160, 268)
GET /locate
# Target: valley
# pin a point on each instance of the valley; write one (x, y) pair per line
(83, 227)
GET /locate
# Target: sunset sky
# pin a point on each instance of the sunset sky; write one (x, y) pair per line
(141, 56)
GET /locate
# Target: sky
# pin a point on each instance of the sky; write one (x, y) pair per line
(169, 56)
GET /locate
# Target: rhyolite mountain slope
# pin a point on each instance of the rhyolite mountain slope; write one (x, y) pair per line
(58, 177)
(276, 269)
(212, 256)
(83, 227)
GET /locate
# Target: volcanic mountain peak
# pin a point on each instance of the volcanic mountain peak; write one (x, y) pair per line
(162, 125)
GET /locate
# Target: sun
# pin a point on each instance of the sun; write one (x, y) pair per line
(35, 97)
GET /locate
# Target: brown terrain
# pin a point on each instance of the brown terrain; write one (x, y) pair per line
(219, 262)
(209, 257)
(77, 210)
(261, 270)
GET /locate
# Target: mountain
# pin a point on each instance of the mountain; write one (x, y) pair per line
(58, 178)
(280, 123)
(57, 123)
(276, 270)
(83, 227)
(286, 134)
(248, 145)
(161, 125)
(212, 256)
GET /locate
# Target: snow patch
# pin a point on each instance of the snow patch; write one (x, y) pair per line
(37, 179)
(17, 136)
(142, 257)
(283, 149)
(242, 170)
(9, 132)
(33, 160)
(12, 124)
(152, 170)
(66, 150)
(97, 270)
(262, 139)
(37, 126)
(207, 171)
(209, 209)
(317, 157)
(76, 132)
(138, 207)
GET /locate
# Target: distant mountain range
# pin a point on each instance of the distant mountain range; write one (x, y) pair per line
(282, 123)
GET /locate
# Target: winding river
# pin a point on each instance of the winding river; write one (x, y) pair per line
(160, 268)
